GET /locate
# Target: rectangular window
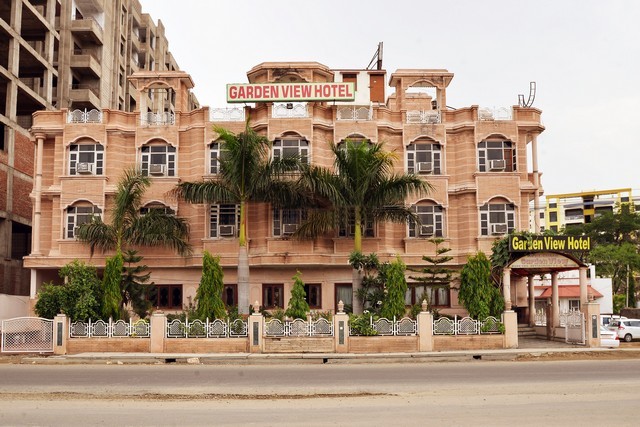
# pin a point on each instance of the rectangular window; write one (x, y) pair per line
(273, 296)
(350, 232)
(496, 156)
(214, 158)
(553, 216)
(351, 78)
(286, 221)
(436, 296)
(497, 219)
(432, 222)
(224, 221)
(86, 159)
(314, 295)
(344, 293)
(166, 296)
(424, 159)
(78, 215)
(158, 160)
(283, 148)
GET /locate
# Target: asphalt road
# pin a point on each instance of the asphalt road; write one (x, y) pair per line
(602, 392)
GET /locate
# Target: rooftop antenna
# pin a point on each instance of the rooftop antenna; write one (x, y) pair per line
(532, 96)
(376, 61)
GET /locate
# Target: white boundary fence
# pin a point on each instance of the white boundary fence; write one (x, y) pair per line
(205, 329)
(298, 328)
(117, 329)
(27, 335)
(386, 327)
(466, 326)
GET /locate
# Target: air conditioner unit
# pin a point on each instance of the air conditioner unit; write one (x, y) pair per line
(425, 167)
(289, 228)
(227, 230)
(156, 169)
(426, 230)
(498, 228)
(84, 168)
(497, 165)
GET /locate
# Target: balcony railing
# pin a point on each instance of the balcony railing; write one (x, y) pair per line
(355, 112)
(495, 113)
(234, 114)
(80, 116)
(423, 116)
(284, 110)
(158, 119)
(90, 52)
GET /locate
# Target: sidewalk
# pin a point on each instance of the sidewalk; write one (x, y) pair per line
(529, 349)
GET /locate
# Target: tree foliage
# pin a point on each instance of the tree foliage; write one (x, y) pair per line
(112, 295)
(79, 297)
(436, 274)
(134, 284)
(396, 289)
(477, 291)
(298, 306)
(209, 294)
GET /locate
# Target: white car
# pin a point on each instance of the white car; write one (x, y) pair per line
(608, 338)
(607, 318)
(626, 329)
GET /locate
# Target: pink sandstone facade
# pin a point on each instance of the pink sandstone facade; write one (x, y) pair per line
(482, 164)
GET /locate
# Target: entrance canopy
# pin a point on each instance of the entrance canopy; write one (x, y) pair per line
(544, 262)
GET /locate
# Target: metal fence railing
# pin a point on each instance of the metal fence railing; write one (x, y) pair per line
(110, 329)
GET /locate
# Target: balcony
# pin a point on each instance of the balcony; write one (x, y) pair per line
(226, 114)
(86, 62)
(423, 116)
(157, 119)
(90, 6)
(287, 110)
(84, 116)
(87, 30)
(354, 113)
(495, 113)
(85, 96)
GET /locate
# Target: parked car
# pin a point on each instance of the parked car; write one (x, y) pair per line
(605, 319)
(608, 338)
(626, 329)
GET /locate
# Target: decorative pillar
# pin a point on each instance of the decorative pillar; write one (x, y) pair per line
(506, 288)
(555, 299)
(256, 325)
(425, 329)
(158, 326)
(341, 330)
(532, 301)
(60, 334)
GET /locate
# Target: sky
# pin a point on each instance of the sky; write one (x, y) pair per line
(584, 56)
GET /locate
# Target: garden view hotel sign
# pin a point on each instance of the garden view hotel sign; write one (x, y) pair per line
(549, 243)
(281, 92)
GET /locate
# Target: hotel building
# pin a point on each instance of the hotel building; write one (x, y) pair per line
(482, 163)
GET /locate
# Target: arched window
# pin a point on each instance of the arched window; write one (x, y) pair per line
(77, 214)
(158, 207)
(432, 218)
(158, 159)
(497, 218)
(496, 155)
(424, 157)
(86, 157)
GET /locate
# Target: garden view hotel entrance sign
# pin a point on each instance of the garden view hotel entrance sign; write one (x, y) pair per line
(279, 92)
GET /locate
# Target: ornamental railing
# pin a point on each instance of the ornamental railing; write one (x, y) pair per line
(298, 328)
(84, 116)
(423, 116)
(354, 112)
(383, 326)
(158, 119)
(205, 329)
(285, 110)
(26, 335)
(466, 326)
(495, 113)
(118, 329)
(235, 114)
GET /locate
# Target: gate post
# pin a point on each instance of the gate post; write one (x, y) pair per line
(341, 330)
(510, 319)
(425, 329)
(256, 341)
(60, 334)
(592, 324)
(158, 325)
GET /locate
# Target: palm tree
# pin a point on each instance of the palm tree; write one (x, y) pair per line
(361, 190)
(130, 227)
(247, 174)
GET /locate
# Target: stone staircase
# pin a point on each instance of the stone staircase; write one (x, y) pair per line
(526, 331)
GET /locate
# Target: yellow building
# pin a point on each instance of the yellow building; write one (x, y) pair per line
(476, 159)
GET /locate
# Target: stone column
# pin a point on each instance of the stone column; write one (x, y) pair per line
(583, 286)
(506, 288)
(532, 301)
(158, 325)
(591, 312)
(555, 300)
(425, 329)
(510, 321)
(256, 326)
(60, 334)
(37, 189)
(536, 183)
(341, 330)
